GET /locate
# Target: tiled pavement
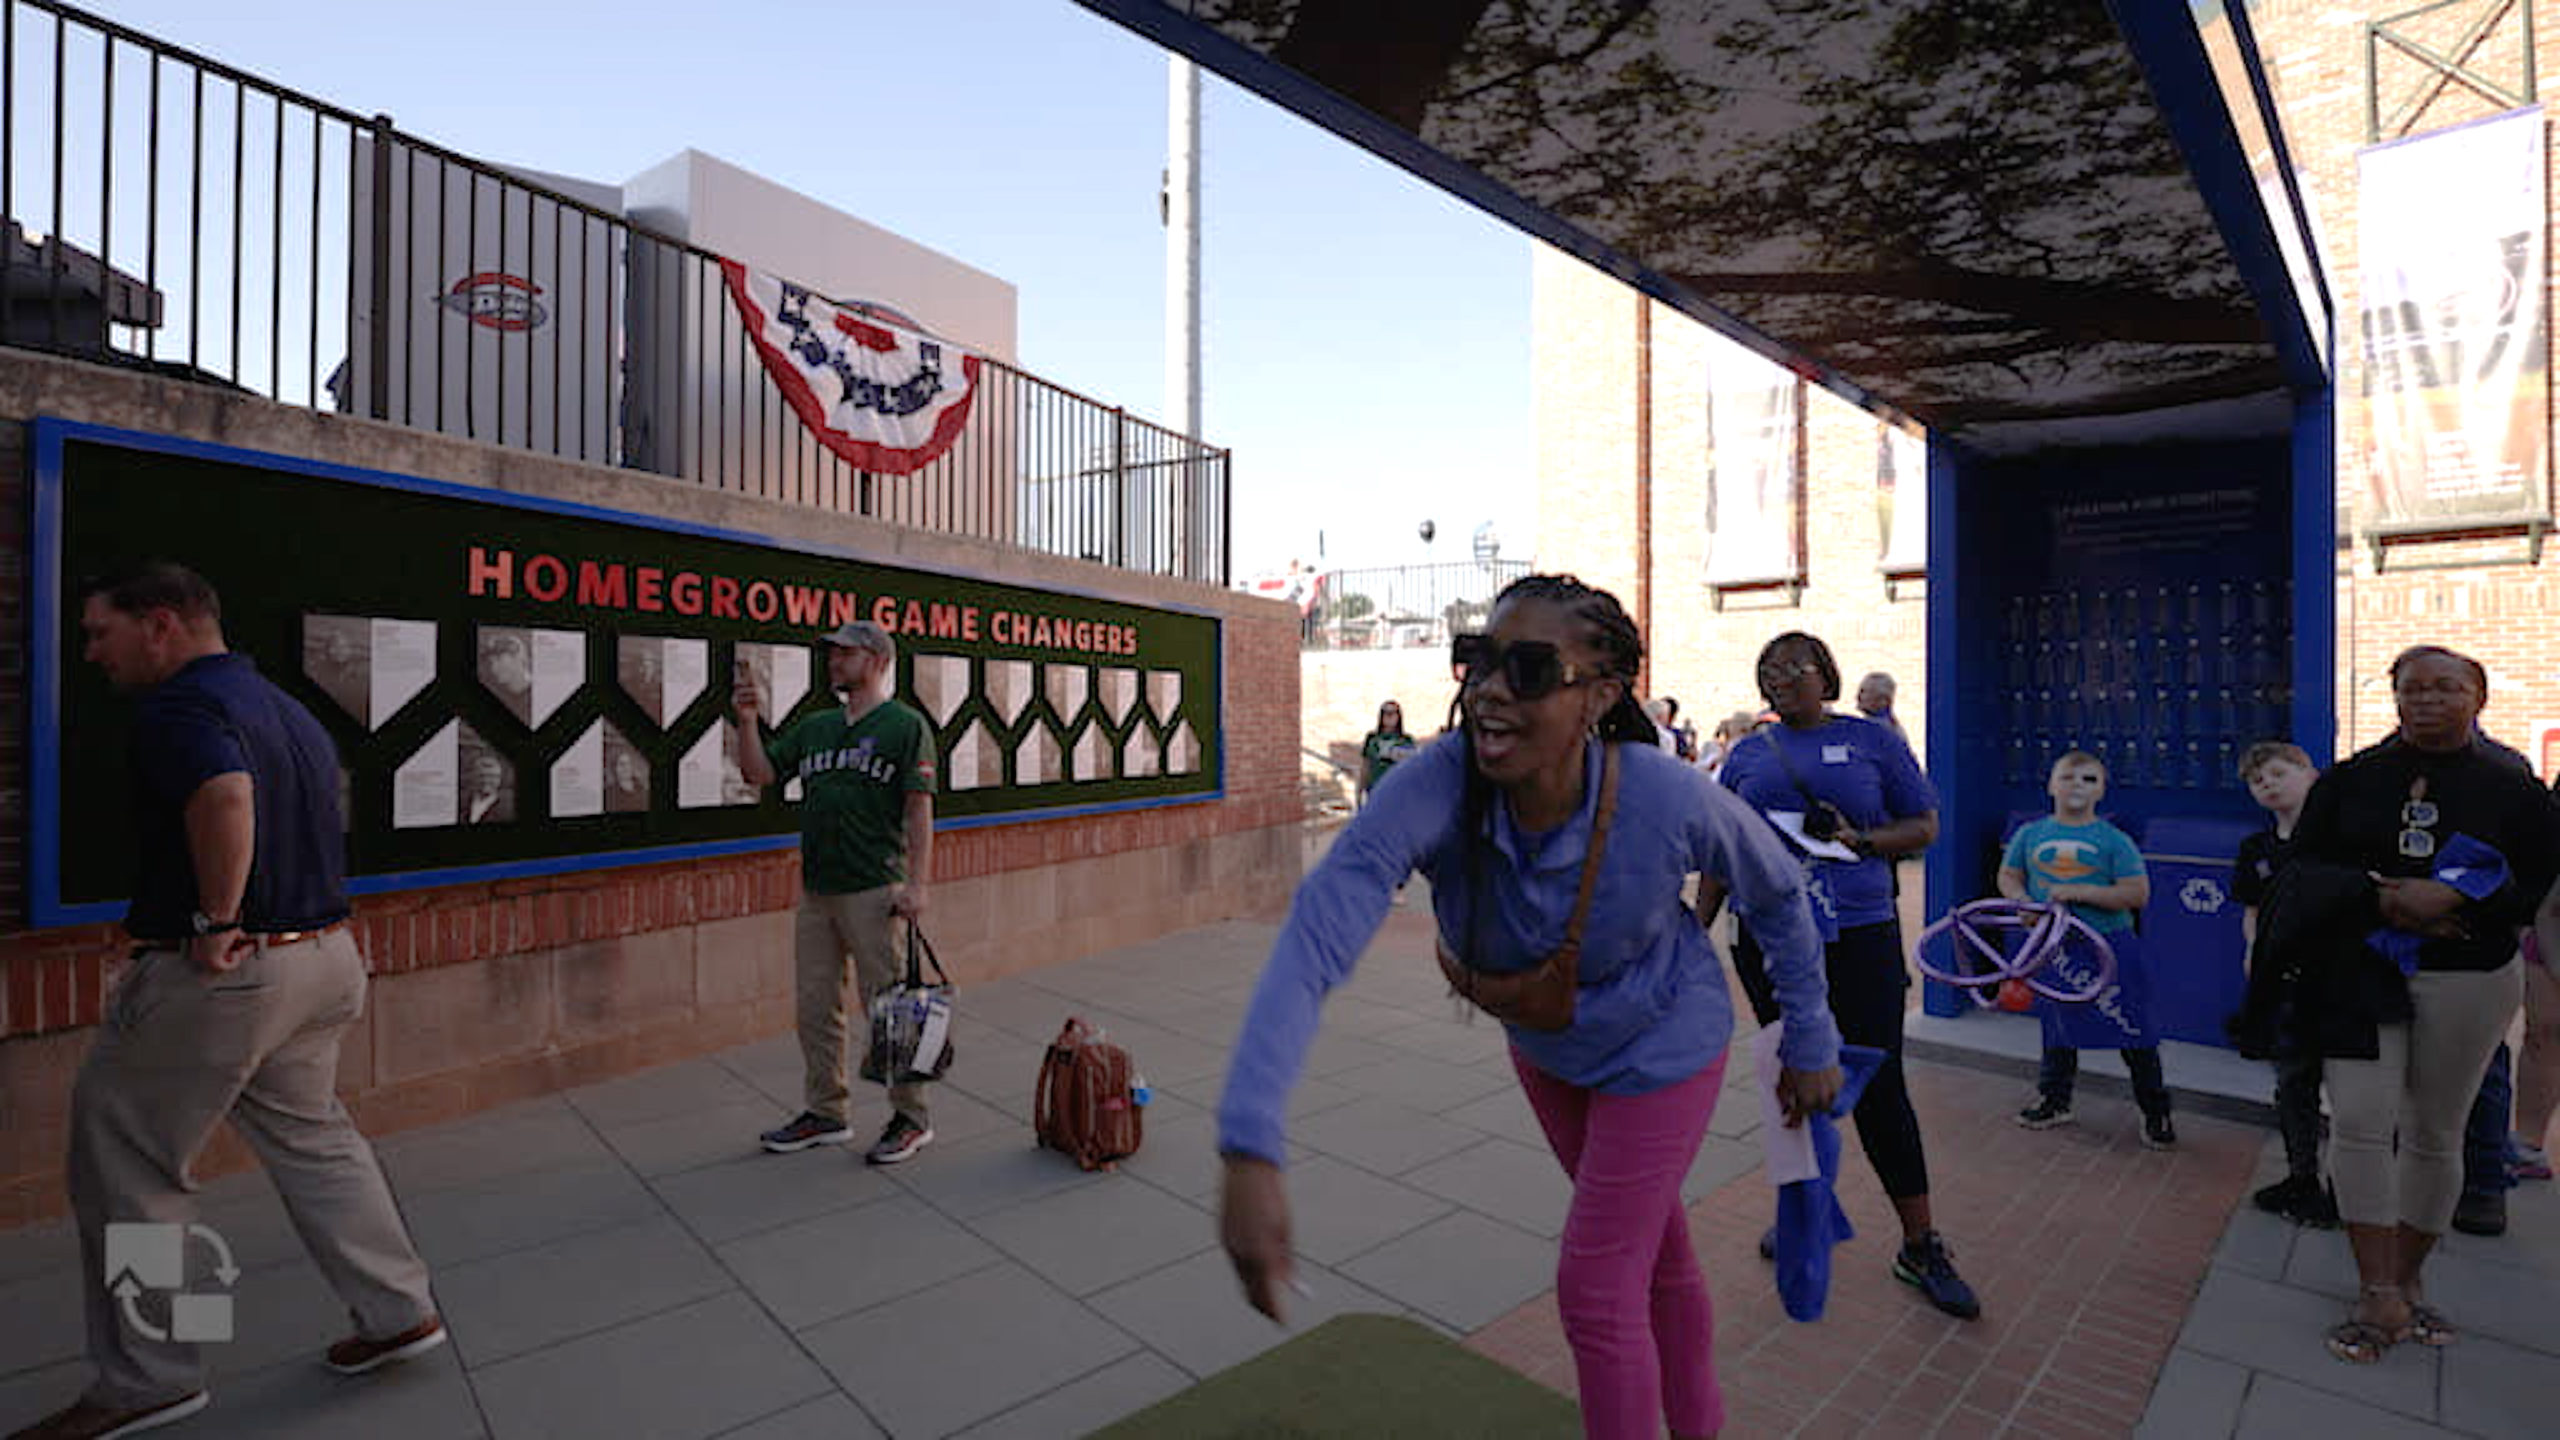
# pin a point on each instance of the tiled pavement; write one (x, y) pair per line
(619, 1262)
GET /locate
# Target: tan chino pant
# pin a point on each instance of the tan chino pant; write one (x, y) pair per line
(2418, 1091)
(180, 1050)
(827, 929)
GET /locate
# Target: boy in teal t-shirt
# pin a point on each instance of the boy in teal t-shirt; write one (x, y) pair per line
(2082, 861)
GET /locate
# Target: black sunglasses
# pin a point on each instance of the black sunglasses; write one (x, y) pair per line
(1530, 669)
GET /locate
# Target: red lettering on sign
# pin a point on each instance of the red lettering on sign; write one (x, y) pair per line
(763, 602)
(884, 613)
(602, 585)
(840, 608)
(491, 572)
(651, 594)
(724, 597)
(911, 619)
(686, 592)
(545, 578)
(969, 623)
(804, 604)
(945, 621)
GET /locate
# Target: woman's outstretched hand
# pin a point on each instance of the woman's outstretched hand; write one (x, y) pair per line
(1807, 1092)
(1253, 1223)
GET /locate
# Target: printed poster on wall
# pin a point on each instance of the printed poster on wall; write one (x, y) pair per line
(1751, 468)
(1902, 501)
(2456, 327)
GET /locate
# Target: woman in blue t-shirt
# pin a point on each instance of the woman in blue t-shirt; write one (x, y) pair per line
(1851, 800)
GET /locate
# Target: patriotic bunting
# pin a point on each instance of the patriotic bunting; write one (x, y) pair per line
(885, 399)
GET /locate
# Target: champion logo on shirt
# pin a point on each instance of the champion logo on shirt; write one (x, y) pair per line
(2064, 859)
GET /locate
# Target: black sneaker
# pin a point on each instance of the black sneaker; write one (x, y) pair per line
(809, 1129)
(2481, 1213)
(2158, 1133)
(1926, 1265)
(899, 1142)
(2286, 1195)
(2045, 1114)
(2301, 1199)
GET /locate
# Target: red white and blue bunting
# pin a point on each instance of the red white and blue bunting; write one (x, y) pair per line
(887, 400)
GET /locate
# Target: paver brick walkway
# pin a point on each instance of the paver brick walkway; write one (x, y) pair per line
(619, 1262)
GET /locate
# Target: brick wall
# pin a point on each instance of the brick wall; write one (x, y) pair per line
(1585, 338)
(490, 992)
(2480, 595)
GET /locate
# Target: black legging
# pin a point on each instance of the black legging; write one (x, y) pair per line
(1867, 980)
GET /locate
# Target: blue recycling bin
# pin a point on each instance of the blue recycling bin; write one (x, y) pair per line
(2191, 928)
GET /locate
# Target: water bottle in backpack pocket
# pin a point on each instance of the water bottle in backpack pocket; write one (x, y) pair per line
(1087, 1103)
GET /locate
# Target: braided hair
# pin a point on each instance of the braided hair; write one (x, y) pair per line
(1612, 633)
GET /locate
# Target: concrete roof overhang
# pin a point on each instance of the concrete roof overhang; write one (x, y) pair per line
(2022, 223)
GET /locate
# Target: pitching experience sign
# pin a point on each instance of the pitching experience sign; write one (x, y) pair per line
(522, 686)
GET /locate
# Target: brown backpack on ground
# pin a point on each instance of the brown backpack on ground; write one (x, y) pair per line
(1085, 1105)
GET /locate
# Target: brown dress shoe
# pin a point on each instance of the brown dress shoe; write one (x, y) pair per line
(90, 1421)
(355, 1355)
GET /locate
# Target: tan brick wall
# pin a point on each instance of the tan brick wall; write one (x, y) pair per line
(1702, 654)
(489, 992)
(2499, 606)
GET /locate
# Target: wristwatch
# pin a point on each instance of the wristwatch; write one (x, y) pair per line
(199, 923)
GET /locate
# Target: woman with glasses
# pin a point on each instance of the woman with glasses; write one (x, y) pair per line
(1557, 838)
(2417, 864)
(1850, 793)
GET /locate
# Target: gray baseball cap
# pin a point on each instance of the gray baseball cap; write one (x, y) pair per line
(859, 635)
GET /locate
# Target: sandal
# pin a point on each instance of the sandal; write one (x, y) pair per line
(2361, 1342)
(2428, 1326)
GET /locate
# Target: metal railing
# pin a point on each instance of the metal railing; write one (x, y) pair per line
(1403, 606)
(163, 211)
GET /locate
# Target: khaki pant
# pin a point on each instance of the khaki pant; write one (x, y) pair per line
(179, 1051)
(2420, 1089)
(828, 928)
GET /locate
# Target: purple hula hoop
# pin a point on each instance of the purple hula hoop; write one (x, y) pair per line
(2046, 932)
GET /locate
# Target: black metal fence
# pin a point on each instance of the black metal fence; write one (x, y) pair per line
(164, 211)
(1403, 606)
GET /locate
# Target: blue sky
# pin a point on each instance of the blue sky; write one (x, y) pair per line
(1366, 337)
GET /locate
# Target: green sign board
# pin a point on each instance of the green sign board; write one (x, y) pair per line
(522, 686)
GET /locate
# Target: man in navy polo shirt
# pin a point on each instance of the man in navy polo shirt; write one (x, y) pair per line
(244, 980)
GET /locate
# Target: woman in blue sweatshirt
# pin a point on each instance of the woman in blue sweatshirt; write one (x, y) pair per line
(1557, 838)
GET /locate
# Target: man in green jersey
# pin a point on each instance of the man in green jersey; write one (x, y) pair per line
(866, 846)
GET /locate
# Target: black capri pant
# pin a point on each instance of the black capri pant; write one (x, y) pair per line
(1868, 984)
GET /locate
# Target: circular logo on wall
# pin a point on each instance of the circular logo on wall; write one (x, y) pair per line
(497, 300)
(2201, 896)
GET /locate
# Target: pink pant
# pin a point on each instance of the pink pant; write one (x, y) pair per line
(1634, 1304)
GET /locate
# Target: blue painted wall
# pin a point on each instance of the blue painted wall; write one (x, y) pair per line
(2140, 603)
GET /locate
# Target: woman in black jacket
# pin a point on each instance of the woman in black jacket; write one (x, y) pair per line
(2417, 863)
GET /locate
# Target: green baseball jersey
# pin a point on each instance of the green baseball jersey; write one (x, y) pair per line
(855, 778)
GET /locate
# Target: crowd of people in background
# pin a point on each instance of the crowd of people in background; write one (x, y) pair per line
(2399, 911)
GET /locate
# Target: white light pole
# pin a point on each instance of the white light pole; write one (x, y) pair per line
(1182, 300)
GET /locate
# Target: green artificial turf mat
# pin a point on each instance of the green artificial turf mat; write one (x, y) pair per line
(1358, 1375)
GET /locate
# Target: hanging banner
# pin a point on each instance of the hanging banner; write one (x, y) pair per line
(1902, 501)
(885, 399)
(2456, 327)
(1752, 473)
